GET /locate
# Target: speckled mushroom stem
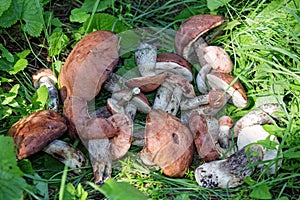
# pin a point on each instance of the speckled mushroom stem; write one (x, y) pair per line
(145, 57)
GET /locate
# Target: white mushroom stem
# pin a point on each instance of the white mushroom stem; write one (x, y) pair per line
(174, 102)
(229, 173)
(263, 115)
(163, 95)
(225, 124)
(201, 78)
(145, 57)
(66, 154)
(130, 110)
(188, 104)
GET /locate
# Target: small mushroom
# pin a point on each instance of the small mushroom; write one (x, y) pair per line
(34, 132)
(223, 81)
(171, 63)
(262, 115)
(225, 124)
(47, 78)
(169, 144)
(115, 83)
(188, 37)
(205, 136)
(230, 172)
(212, 57)
(169, 95)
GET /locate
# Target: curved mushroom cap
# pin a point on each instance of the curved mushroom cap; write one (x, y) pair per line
(192, 29)
(219, 80)
(217, 58)
(38, 75)
(204, 141)
(174, 64)
(32, 133)
(169, 144)
(179, 81)
(139, 100)
(255, 133)
(147, 83)
(120, 144)
(89, 65)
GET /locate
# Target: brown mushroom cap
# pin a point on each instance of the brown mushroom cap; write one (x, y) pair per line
(173, 63)
(192, 29)
(204, 142)
(179, 81)
(147, 83)
(32, 133)
(169, 144)
(219, 80)
(43, 73)
(89, 65)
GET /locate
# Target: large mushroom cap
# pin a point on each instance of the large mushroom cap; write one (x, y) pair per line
(89, 65)
(169, 144)
(192, 29)
(174, 64)
(32, 133)
(147, 83)
(223, 81)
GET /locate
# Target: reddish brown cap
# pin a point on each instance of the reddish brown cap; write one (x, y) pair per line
(192, 29)
(147, 83)
(32, 133)
(43, 73)
(89, 65)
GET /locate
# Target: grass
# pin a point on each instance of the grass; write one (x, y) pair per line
(262, 38)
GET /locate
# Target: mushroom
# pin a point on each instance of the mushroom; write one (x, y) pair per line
(188, 39)
(226, 82)
(169, 144)
(169, 95)
(145, 58)
(128, 102)
(205, 130)
(115, 83)
(171, 63)
(87, 67)
(212, 57)
(58, 149)
(225, 124)
(230, 172)
(35, 131)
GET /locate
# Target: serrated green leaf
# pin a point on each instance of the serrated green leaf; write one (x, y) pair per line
(88, 5)
(20, 65)
(105, 21)
(261, 192)
(119, 190)
(23, 54)
(6, 54)
(11, 182)
(57, 42)
(4, 5)
(12, 14)
(39, 98)
(215, 4)
(9, 97)
(79, 15)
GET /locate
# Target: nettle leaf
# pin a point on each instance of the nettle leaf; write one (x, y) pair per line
(104, 21)
(119, 190)
(11, 181)
(57, 42)
(79, 15)
(88, 5)
(4, 5)
(24, 10)
(215, 4)
(261, 192)
(9, 97)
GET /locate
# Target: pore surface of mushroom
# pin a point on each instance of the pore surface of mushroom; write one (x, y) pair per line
(169, 144)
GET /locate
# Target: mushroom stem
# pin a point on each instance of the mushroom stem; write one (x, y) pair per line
(201, 78)
(162, 97)
(173, 105)
(225, 124)
(145, 57)
(130, 110)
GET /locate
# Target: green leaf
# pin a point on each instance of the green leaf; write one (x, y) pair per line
(11, 181)
(79, 15)
(88, 5)
(215, 4)
(39, 98)
(105, 22)
(6, 54)
(9, 97)
(23, 54)
(20, 65)
(261, 192)
(4, 5)
(27, 11)
(71, 193)
(119, 190)
(57, 42)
